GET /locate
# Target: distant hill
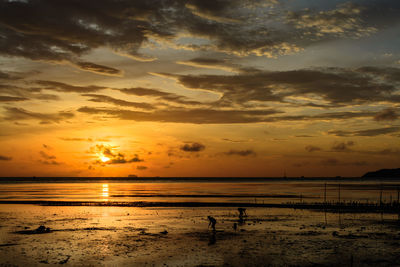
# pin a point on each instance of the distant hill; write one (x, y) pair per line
(383, 173)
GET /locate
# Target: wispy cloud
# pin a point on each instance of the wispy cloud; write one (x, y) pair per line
(342, 146)
(100, 69)
(344, 21)
(242, 153)
(388, 114)
(193, 147)
(312, 148)
(48, 159)
(368, 132)
(118, 102)
(67, 88)
(12, 98)
(16, 114)
(196, 116)
(5, 158)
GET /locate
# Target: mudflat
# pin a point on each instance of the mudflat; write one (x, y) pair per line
(179, 236)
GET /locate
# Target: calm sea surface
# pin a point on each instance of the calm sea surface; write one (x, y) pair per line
(205, 191)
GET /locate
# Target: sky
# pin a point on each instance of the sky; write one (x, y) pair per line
(258, 88)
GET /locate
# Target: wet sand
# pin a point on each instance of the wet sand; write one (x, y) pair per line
(178, 236)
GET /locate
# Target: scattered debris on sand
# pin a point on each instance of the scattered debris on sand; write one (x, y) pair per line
(64, 261)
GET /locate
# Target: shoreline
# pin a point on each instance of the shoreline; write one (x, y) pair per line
(326, 207)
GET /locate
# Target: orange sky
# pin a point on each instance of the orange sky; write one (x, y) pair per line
(199, 88)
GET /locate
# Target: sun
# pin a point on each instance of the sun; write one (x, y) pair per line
(104, 158)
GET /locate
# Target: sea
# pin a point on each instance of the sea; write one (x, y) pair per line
(197, 190)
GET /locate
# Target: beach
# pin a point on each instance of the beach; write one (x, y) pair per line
(127, 236)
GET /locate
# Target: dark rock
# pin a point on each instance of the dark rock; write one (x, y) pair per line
(42, 229)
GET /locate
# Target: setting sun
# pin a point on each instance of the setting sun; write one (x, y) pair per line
(104, 158)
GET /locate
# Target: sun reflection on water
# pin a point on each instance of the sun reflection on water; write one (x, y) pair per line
(105, 192)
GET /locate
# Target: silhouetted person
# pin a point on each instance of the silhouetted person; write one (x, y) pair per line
(235, 226)
(212, 222)
(242, 211)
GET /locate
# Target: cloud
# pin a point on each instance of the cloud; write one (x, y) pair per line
(65, 31)
(141, 168)
(99, 69)
(49, 162)
(5, 158)
(342, 146)
(67, 88)
(335, 162)
(329, 162)
(160, 95)
(243, 153)
(344, 21)
(215, 63)
(16, 93)
(388, 114)
(387, 151)
(193, 147)
(46, 147)
(323, 116)
(368, 132)
(76, 139)
(80, 139)
(392, 152)
(235, 141)
(311, 148)
(217, 116)
(118, 102)
(111, 156)
(335, 86)
(217, 10)
(5, 75)
(16, 114)
(48, 159)
(180, 115)
(387, 73)
(11, 99)
(46, 156)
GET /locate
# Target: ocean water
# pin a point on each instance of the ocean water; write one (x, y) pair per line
(192, 190)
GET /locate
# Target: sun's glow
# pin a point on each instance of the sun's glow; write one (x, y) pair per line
(104, 158)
